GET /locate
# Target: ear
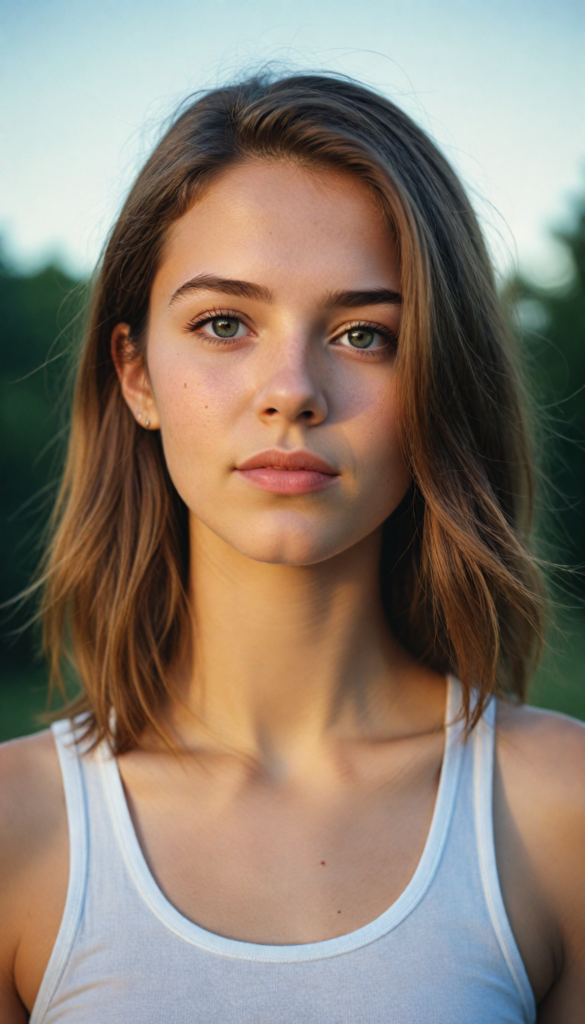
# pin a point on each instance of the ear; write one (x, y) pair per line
(134, 380)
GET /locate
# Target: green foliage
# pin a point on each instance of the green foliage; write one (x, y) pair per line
(552, 324)
(34, 310)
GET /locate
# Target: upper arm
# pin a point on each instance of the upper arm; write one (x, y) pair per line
(539, 817)
(33, 868)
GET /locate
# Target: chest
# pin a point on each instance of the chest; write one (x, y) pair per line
(280, 864)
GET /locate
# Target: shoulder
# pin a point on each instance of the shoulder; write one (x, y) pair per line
(541, 767)
(33, 862)
(31, 792)
(539, 818)
(32, 806)
(545, 751)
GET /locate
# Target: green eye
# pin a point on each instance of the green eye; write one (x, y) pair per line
(361, 337)
(225, 326)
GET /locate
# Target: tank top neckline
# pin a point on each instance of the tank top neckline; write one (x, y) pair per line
(238, 949)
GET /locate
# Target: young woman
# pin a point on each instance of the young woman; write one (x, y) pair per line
(291, 566)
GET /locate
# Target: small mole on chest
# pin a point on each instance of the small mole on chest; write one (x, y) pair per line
(323, 863)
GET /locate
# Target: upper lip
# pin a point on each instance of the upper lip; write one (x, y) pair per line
(275, 458)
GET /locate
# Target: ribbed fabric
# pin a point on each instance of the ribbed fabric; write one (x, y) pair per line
(443, 953)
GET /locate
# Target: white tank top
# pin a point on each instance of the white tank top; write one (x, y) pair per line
(443, 953)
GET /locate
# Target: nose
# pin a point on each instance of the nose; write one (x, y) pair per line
(292, 393)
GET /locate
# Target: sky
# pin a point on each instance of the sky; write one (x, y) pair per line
(85, 86)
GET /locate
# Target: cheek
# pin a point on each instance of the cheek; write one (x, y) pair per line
(380, 463)
(197, 408)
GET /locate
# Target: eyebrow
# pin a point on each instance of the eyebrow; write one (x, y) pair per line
(227, 285)
(363, 297)
(349, 299)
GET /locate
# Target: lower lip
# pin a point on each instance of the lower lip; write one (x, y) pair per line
(288, 481)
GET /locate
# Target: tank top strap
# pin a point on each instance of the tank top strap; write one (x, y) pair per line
(484, 743)
(77, 819)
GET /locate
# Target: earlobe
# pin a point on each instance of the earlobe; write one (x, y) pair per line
(133, 377)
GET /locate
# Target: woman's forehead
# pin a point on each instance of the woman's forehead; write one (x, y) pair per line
(272, 221)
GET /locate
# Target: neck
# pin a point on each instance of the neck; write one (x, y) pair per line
(282, 657)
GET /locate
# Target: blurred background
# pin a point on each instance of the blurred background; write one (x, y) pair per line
(87, 87)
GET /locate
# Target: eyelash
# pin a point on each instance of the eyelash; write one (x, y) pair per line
(205, 318)
(212, 314)
(389, 337)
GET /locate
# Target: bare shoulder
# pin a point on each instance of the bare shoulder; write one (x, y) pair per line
(32, 810)
(539, 818)
(545, 750)
(33, 866)
(541, 762)
(31, 794)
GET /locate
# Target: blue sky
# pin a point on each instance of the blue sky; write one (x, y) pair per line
(85, 85)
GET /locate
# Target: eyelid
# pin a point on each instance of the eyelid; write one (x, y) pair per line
(386, 332)
(201, 319)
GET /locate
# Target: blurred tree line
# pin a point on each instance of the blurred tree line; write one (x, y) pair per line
(39, 322)
(37, 316)
(552, 327)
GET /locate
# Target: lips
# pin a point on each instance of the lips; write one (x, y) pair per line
(280, 472)
(290, 461)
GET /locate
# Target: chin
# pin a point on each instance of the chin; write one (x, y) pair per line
(289, 544)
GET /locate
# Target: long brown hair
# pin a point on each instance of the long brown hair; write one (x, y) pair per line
(459, 584)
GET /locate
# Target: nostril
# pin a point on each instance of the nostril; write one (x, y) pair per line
(271, 412)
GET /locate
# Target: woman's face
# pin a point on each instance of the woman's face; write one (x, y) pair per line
(271, 362)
